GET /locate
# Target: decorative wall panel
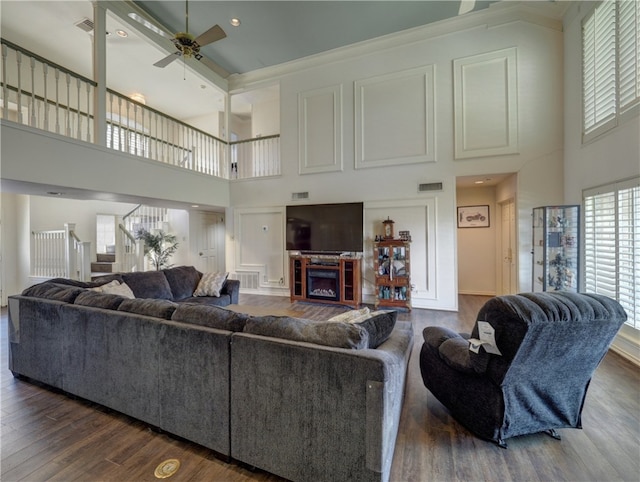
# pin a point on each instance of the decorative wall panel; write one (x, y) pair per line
(485, 104)
(395, 119)
(320, 130)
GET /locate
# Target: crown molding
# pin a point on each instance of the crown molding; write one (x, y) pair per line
(545, 14)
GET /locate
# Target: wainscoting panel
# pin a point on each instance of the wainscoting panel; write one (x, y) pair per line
(418, 216)
(320, 130)
(259, 241)
(395, 119)
(485, 104)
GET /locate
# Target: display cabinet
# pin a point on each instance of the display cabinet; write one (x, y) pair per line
(556, 245)
(392, 267)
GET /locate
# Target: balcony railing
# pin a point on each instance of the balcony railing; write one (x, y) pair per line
(46, 96)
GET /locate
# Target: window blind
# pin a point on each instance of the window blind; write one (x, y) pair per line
(599, 67)
(612, 245)
(629, 53)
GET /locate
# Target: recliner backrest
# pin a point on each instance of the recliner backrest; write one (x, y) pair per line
(550, 335)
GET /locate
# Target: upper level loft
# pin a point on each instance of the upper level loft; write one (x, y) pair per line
(44, 95)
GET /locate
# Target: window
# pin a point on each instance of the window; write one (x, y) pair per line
(612, 245)
(610, 64)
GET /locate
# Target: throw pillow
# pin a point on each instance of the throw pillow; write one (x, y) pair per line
(115, 288)
(210, 284)
(379, 325)
(349, 316)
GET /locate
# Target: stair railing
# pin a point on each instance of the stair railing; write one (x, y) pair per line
(129, 250)
(60, 254)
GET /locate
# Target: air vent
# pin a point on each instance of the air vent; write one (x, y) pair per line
(296, 196)
(431, 186)
(85, 24)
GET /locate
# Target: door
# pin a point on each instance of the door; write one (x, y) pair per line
(508, 249)
(210, 243)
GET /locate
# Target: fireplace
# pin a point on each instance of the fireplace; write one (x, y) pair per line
(323, 284)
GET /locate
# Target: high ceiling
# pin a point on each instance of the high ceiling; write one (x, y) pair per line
(270, 33)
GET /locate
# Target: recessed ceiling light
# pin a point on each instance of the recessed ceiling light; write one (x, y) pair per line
(478, 182)
(195, 205)
(122, 33)
(235, 22)
(55, 193)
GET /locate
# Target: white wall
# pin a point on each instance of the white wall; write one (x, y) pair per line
(265, 118)
(613, 156)
(477, 246)
(538, 161)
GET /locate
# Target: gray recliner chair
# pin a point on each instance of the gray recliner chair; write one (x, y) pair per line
(550, 345)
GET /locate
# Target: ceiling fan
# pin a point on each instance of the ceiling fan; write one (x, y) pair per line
(186, 44)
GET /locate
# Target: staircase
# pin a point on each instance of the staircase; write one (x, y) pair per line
(103, 264)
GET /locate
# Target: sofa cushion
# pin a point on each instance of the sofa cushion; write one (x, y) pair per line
(340, 335)
(98, 281)
(148, 284)
(210, 316)
(149, 307)
(99, 300)
(379, 325)
(183, 281)
(115, 287)
(53, 291)
(210, 284)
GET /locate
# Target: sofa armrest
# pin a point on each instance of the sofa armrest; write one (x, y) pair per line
(232, 288)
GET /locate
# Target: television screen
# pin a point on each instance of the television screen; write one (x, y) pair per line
(332, 228)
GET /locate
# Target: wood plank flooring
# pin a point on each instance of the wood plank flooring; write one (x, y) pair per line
(48, 436)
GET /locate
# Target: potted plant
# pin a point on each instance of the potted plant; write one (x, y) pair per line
(158, 247)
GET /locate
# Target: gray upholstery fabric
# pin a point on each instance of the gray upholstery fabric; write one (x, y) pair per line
(149, 307)
(317, 413)
(379, 327)
(53, 291)
(193, 363)
(174, 376)
(183, 281)
(551, 344)
(341, 335)
(99, 300)
(148, 284)
(211, 316)
(98, 281)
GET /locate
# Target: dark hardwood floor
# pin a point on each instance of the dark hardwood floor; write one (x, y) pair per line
(46, 435)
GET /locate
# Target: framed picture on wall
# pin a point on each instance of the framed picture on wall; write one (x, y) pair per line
(473, 216)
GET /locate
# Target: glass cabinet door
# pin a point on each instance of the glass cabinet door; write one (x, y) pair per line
(555, 249)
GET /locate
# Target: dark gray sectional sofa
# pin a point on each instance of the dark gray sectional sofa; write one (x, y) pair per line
(255, 389)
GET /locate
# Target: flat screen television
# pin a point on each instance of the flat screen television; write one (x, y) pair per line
(325, 228)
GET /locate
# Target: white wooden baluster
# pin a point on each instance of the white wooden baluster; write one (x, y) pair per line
(79, 112)
(32, 106)
(45, 71)
(88, 112)
(68, 129)
(5, 90)
(19, 93)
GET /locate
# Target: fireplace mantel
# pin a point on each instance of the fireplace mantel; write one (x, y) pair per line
(326, 279)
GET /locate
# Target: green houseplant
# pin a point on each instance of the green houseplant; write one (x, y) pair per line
(158, 247)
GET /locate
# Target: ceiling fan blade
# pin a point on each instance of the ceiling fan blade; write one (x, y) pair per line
(214, 34)
(167, 60)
